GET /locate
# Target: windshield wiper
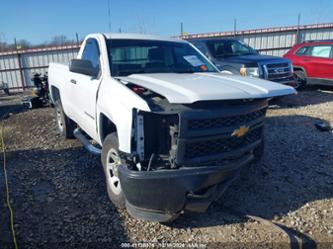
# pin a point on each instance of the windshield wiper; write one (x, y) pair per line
(129, 72)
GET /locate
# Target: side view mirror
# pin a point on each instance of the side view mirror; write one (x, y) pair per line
(83, 67)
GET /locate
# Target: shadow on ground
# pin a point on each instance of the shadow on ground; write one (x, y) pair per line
(59, 200)
(296, 169)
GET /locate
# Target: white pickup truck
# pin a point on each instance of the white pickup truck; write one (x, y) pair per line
(172, 131)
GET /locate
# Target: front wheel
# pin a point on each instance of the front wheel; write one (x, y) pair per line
(111, 162)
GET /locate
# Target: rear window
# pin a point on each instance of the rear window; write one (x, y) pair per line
(321, 51)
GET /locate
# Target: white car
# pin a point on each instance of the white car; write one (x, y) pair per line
(173, 132)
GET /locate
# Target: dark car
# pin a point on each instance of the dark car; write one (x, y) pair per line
(313, 62)
(234, 56)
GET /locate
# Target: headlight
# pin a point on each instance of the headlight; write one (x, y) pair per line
(249, 71)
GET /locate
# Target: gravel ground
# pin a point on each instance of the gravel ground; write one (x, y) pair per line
(58, 189)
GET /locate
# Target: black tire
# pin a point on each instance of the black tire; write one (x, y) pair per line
(65, 125)
(110, 155)
(258, 152)
(300, 78)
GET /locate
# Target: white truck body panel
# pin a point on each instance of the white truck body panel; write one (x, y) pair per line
(85, 100)
(189, 88)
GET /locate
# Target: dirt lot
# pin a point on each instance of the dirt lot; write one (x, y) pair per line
(58, 189)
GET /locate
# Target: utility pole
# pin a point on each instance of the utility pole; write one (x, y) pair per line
(19, 64)
(298, 27)
(2, 42)
(181, 29)
(109, 16)
(235, 27)
(77, 39)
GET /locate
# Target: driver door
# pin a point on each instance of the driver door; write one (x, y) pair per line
(84, 90)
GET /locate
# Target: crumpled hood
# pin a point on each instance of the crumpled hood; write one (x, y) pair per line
(190, 88)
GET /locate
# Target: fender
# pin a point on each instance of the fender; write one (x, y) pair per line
(300, 68)
(117, 103)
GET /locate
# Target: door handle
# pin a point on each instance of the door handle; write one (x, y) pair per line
(73, 81)
(306, 60)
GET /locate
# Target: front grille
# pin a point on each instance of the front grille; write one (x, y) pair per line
(278, 72)
(221, 145)
(277, 65)
(205, 136)
(224, 122)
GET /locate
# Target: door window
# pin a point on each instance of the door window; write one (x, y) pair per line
(91, 53)
(321, 51)
(303, 51)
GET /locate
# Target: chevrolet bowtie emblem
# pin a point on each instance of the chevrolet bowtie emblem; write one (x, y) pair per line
(241, 131)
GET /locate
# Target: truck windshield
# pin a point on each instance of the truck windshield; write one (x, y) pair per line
(227, 48)
(150, 56)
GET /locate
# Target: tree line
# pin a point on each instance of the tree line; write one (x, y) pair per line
(59, 40)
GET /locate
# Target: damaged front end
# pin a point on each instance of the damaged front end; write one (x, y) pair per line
(187, 155)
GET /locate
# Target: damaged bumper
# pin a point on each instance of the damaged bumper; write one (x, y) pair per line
(162, 195)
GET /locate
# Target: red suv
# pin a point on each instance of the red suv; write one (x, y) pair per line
(313, 62)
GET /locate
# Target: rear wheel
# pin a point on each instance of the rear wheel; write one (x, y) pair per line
(111, 162)
(300, 81)
(65, 125)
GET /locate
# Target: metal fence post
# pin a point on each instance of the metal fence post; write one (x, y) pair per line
(20, 65)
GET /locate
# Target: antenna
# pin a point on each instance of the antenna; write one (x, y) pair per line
(109, 16)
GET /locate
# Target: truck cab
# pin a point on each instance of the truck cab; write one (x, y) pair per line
(171, 130)
(236, 57)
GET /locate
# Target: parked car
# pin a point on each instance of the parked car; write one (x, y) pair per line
(234, 56)
(171, 130)
(313, 62)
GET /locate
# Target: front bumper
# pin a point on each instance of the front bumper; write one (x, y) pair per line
(162, 195)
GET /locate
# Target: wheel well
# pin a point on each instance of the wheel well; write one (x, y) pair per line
(106, 126)
(300, 69)
(55, 93)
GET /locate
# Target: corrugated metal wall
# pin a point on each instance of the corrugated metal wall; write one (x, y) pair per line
(279, 43)
(16, 67)
(274, 41)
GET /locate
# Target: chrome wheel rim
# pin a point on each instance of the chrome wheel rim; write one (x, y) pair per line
(299, 82)
(112, 164)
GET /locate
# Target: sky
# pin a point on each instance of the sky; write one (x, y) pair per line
(40, 20)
